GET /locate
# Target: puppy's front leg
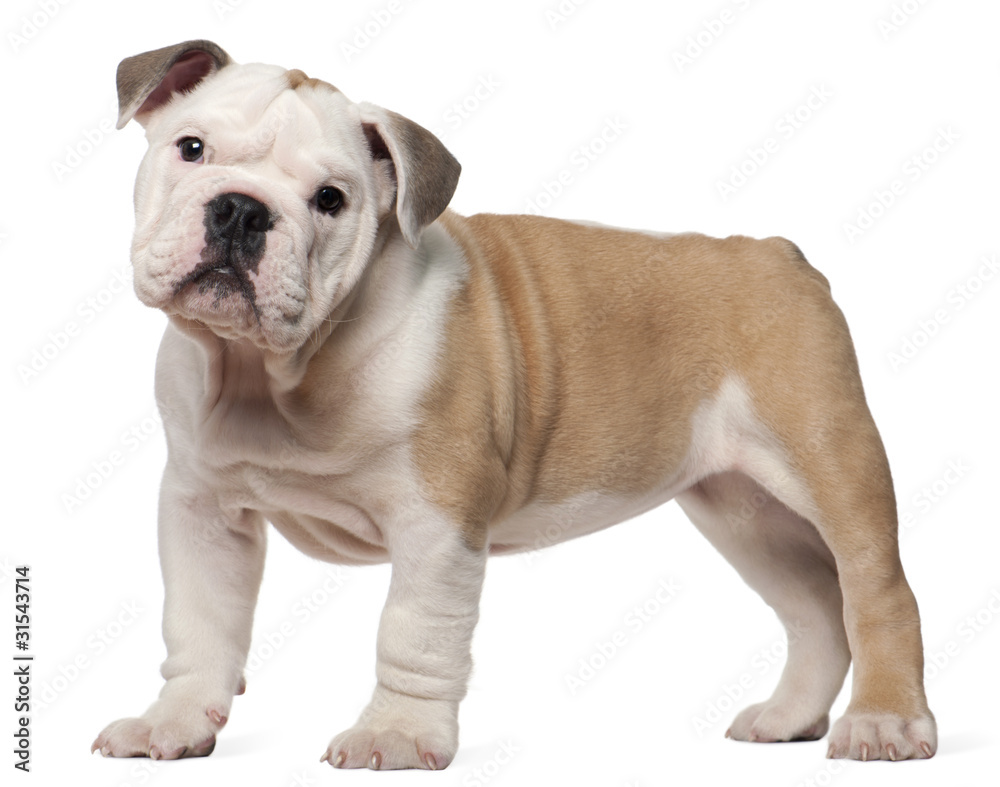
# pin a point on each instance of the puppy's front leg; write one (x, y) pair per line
(424, 658)
(212, 561)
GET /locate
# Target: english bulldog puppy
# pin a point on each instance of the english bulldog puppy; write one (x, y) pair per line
(383, 379)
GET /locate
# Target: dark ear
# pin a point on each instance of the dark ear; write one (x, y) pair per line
(426, 173)
(147, 81)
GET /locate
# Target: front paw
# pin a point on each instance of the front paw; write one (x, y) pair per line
(770, 722)
(137, 737)
(174, 727)
(882, 736)
(398, 731)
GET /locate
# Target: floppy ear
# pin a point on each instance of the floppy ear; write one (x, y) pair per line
(148, 81)
(426, 174)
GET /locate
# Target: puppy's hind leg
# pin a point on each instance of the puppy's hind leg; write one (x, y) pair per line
(781, 556)
(854, 510)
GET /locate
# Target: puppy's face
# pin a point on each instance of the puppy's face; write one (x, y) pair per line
(263, 193)
(257, 204)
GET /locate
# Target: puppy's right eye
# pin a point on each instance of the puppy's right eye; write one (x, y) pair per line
(191, 149)
(329, 199)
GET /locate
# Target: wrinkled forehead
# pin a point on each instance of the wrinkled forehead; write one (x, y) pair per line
(256, 111)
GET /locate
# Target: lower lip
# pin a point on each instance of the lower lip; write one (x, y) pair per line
(221, 279)
(215, 293)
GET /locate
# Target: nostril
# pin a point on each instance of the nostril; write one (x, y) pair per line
(257, 220)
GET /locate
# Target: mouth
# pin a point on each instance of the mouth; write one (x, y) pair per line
(218, 290)
(223, 280)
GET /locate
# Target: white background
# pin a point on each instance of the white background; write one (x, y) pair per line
(548, 87)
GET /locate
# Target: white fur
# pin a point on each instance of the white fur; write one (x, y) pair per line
(237, 443)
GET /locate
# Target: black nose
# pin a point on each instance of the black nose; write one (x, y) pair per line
(235, 216)
(235, 229)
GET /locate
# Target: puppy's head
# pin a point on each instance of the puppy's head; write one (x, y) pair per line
(261, 195)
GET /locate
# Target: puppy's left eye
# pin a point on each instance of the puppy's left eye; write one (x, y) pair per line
(329, 199)
(191, 149)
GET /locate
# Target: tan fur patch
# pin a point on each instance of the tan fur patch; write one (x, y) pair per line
(576, 355)
(297, 79)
